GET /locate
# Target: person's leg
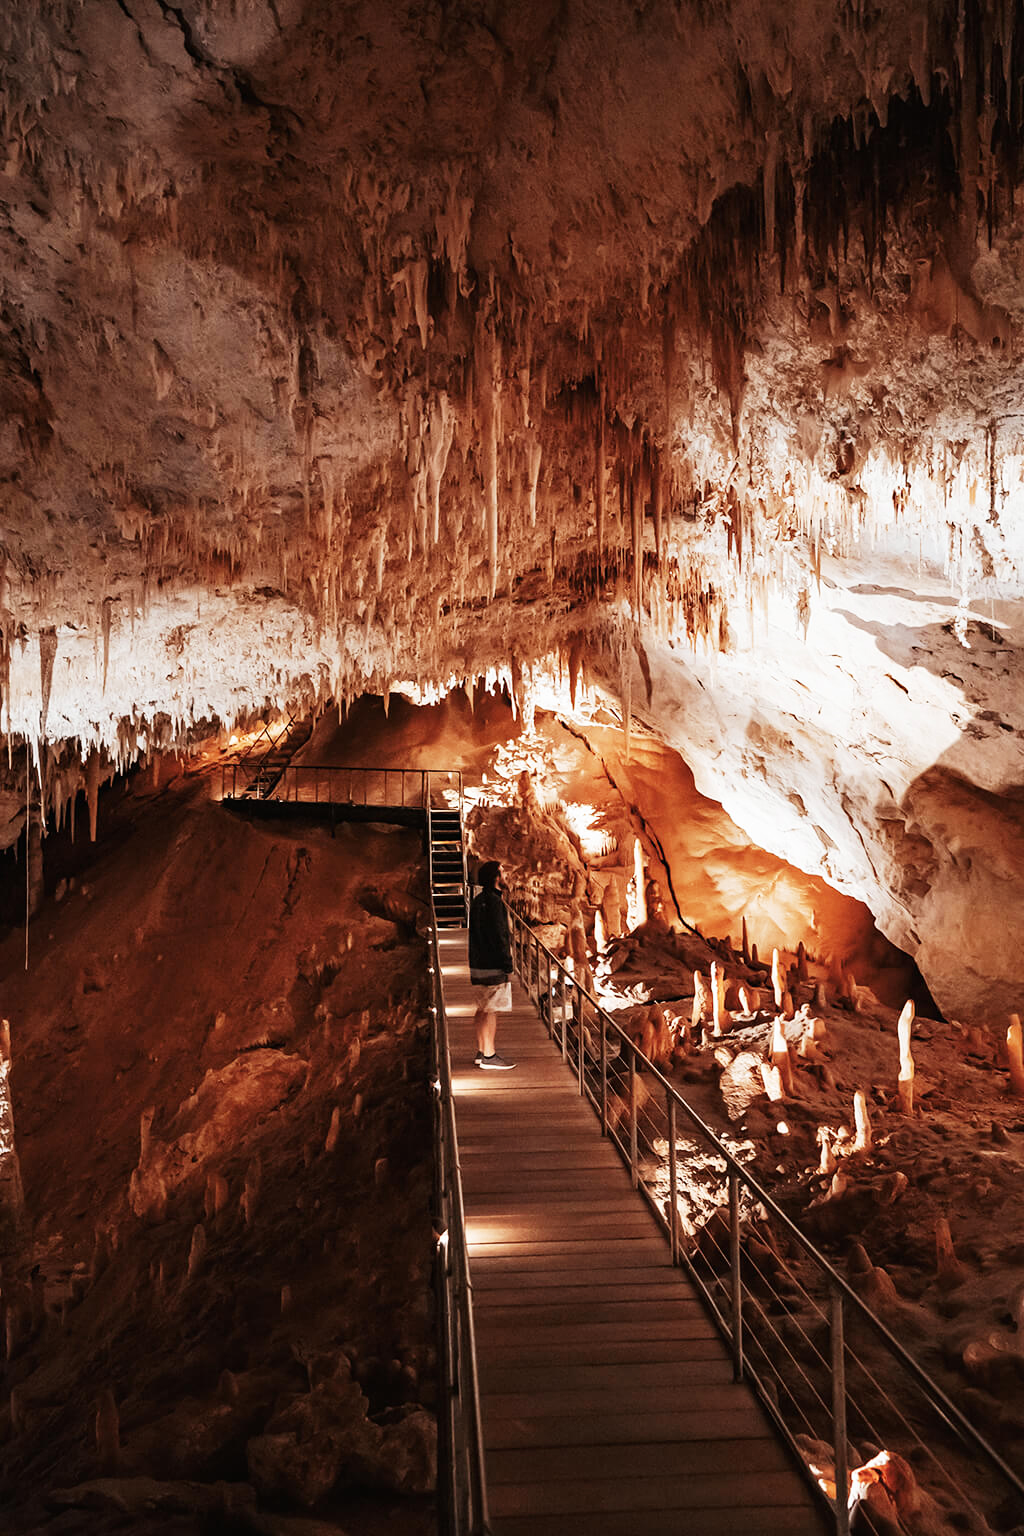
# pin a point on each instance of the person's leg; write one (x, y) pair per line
(486, 1028)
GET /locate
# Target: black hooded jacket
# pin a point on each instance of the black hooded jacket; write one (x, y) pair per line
(490, 953)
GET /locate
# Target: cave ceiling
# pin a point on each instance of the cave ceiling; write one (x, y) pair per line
(349, 344)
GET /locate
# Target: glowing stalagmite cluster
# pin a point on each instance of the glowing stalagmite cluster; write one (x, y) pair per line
(340, 350)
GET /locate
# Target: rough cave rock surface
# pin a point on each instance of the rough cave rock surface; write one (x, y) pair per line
(343, 345)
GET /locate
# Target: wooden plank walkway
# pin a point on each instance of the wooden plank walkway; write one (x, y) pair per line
(607, 1395)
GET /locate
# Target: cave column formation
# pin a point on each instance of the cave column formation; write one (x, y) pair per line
(672, 349)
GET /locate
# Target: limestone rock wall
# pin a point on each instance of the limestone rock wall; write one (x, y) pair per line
(347, 345)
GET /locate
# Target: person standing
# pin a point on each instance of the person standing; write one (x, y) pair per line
(490, 965)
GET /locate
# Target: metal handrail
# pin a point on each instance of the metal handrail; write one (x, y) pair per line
(527, 950)
(250, 749)
(463, 1507)
(304, 783)
(447, 774)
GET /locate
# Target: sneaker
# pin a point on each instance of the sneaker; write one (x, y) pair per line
(495, 1064)
(478, 1058)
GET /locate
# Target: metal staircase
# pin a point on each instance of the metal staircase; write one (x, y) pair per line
(263, 770)
(448, 867)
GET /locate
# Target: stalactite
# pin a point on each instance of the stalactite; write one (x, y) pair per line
(47, 655)
(92, 790)
(657, 506)
(601, 473)
(636, 522)
(105, 613)
(534, 454)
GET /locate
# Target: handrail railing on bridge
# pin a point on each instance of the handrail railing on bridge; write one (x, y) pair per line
(462, 1486)
(329, 784)
(267, 734)
(819, 1380)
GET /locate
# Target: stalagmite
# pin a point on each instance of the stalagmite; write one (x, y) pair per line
(720, 1018)
(807, 1050)
(869, 1280)
(600, 936)
(1014, 1057)
(333, 1130)
(778, 982)
(862, 1137)
(849, 989)
(826, 1156)
(771, 1077)
(887, 1488)
(839, 1185)
(657, 1036)
(951, 1272)
(750, 1001)
(703, 1005)
(745, 947)
(639, 884)
(781, 1060)
(905, 1083)
(577, 936)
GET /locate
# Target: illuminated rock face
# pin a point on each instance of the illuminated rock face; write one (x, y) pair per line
(340, 347)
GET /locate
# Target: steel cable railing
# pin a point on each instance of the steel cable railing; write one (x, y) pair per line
(461, 1482)
(825, 1365)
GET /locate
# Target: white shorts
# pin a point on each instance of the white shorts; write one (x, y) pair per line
(495, 999)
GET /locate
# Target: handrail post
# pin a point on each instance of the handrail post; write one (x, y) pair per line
(579, 1046)
(561, 1009)
(548, 1004)
(737, 1276)
(839, 1414)
(673, 1180)
(634, 1140)
(604, 1073)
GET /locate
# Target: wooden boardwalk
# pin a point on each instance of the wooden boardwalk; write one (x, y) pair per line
(607, 1395)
